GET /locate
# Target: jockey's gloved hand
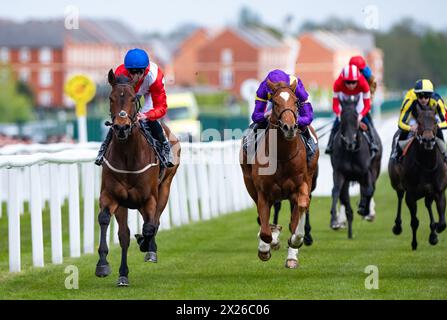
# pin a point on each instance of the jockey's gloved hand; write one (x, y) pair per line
(141, 116)
(359, 119)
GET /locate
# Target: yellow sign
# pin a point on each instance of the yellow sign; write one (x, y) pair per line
(82, 90)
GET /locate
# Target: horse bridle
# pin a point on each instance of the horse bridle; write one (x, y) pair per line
(124, 114)
(279, 124)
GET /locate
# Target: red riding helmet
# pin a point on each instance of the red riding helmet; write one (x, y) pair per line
(358, 61)
(350, 73)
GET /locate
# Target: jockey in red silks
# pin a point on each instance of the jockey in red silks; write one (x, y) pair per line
(352, 83)
(149, 82)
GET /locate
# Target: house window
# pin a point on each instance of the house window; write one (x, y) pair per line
(4, 55)
(24, 75)
(24, 54)
(226, 56)
(45, 98)
(45, 55)
(226, 78)
(45, 78)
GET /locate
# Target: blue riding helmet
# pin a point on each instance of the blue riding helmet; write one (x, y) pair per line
(367, 72)
(136, 59)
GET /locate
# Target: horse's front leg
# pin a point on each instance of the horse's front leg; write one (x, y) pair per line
(124, 237)
(339, 180)
(150, 225)
(410, 199)
(366, 193)
(345, 201)
(265, 234)
(275, 228)
(397, 228)
(440, 206)
(433, 238)
(102, 267)
(300, 204)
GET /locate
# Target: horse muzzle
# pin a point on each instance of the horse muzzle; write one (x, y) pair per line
(122, 132)
(289, 131)
(428, 144)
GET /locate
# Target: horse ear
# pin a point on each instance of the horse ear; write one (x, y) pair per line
(112, 79)
(293, 85)
(271, 85)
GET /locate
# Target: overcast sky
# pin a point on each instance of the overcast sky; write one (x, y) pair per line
(165, 15)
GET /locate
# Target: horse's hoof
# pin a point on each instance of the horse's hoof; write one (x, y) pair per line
(275, 246)
(291, 264)
(440, 227)
(122, 282)
(308, 240)
(397, 229)
(264, 256)
(335, 226)
(433, 239)
(102, 271)
(151, 257)
(369, 218)
(414, 246)
(363, 212)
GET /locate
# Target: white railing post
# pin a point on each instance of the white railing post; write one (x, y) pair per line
(14, 222)
(36, 215)
(132, 221)
(73, 211)
(191, 187)
(174, 203)
(182, 195)
(165, 221)
(89, 207)
(55, 215)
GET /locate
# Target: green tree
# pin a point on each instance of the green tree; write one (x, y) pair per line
(14, 107)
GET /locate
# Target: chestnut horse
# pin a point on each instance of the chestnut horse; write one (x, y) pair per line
(283, 173)
(131, 178)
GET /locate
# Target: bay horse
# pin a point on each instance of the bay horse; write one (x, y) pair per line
(291, 178)
(421, 174)
(131, 178)
(353, 161)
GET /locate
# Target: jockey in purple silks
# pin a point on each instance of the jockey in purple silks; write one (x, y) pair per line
(263, 107)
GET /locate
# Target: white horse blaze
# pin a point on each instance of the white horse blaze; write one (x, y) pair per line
(285, 96)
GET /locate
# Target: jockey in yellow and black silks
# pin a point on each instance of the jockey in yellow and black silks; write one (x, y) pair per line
(422, 94)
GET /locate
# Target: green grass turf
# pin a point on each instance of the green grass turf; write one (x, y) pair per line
(217, 259)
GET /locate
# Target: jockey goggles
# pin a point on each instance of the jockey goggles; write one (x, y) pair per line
(136, 71)
(424, 95)
(350, 82)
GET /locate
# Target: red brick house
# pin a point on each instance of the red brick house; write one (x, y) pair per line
(44, 53)
(323, 54)
(237, 54)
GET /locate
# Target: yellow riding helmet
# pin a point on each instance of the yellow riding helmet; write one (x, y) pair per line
(423, 85)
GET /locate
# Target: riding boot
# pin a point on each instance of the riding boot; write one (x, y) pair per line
(373, 145)
(397, 152)
(103, 148)
(309, 143)
(167, 152)
(331, 139)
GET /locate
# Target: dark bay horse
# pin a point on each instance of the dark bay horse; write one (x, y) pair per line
(421, 174)
(283, 173)
(131, 178)
(352, 160)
